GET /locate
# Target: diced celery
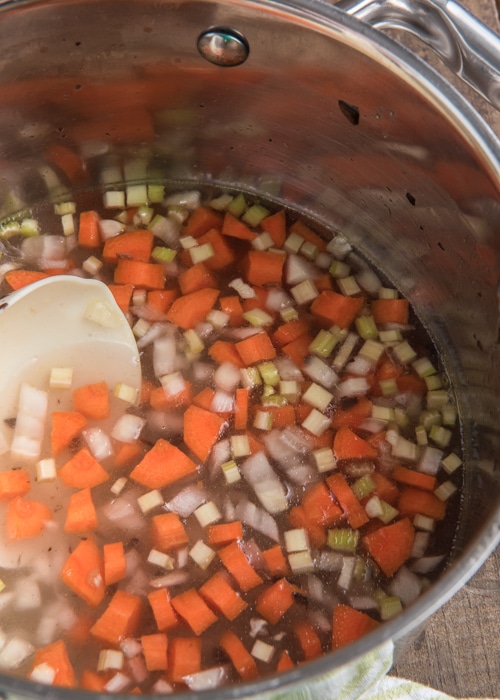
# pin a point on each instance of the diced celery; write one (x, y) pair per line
(200, 253)
(325, 459)
(231, 472)
(194, 342)
(188, 242)
(262, 651)
(339, 269)
(242, 288)
(268, 391)
(273, 400)
(164, 561)
(289, 389)
(125, 392)
(258, 317)
(388, 512)
(263, 241)
(240, 446)
(289, 313)
(451, 463)
(92, 265)
(150, 500)
(371, 350)
(61, 377)
(254, 215)
(136, 195)
(301, 562)
(202, 554)
(163, 254)
(440, 436)
(156, 193)
(401, 417)
(437, 399)
(110, 659)
(269, 373)
(366, 327)
(430, 418)
(114, 199)
(237, 206)
(433, 382)
(46, 469)
(387, 293)
(449, 413)
(68, 224)
(388, 387)
(389, 607)
(293, 243)
(317, 396)
(391, 337)
(250, 377)
(263, 420)
(423, 367)
(316, 423)
(348, 286)
(405, 449)
(221, 202)
(304, 292)
(404, 352)
(139, 297)
(343, 539)
(423, 522)
(385, 413)
(118, 486)
(445, 490)
(363, 486)
(62, 208)
(9, 229)
(296, 540)
(323, 344)
(309, 250)
(345, 351)
(29, 228)
(421, 435)
(207, 514)
(143, 215)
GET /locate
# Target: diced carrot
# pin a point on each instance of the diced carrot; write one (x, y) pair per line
(69, 161)
(133, 245)
(276, 561)
(92, 400)
(83, 572)
(239, 567)
(196, 277)
(81, 515)
(115, 564)
(391, 545)
(79, 631)
(307, 234)
(290, 331)
(163, 611)
(308, 640)
(161, 400)
(139, 274)
(82, 471)
(201, 430)
(25, 518)
(222, 597)
(202, 220)
(299, 518)
(56, 657)
(414, 478)
(384, 488)
(333, 308)
(348, 445)
(413, 501)
(127, 453)
(224, 533)
(275, 225)
(154, 648)
(256, 348)
(390, 310)
(66, 426)
(258, 301)
(347, 500)
(17, 279)
(122, 294)
(204, 398)
(276, 600)
(285, 662)
(242, 660)
(320, 506)
(161, 299)
(263, 268)
(88, 230)
(223, 256)
(242, 397)
(323, 282)
(168, 532)
(224, 351)
(352, 417)
(232, 307)
(190, 309)
(14, 483)
(349, 625)
(235, 228)
(120, 620)
(298, 349)
(282, 415)
(95, 682)
(192, 608)
(184, 657)
(163, 464)
(409, 382)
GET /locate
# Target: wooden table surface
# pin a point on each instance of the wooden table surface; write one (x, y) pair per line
(459, 651)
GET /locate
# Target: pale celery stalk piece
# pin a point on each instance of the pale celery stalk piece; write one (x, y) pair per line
(88, 333)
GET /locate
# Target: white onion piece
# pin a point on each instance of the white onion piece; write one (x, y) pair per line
(359, 366)
(167, 229)
(298, 270)
(278, 299)
(320, 621)
(30, 423)
(258, 626)
(15, 652)
(131, 647)
(152, 334)
(267, 486)
(426, 564)
(174, 578)
(221, 452)
(138, 584)
(117, 683)
(187, 501)
(406, 585)
(287, 369)
(256, 518)
(242, 333)
(123, 512)
(430, 460)
(164, 355)
(363, 602)
(148, 313)
(109, 228)
(49, 247)
(161, 687)
(355, 386)
(98, 443)
(253, 553)
(128, 428)
(137, 667)
(208, 679)
(27, 595)
(373, 425)
(227, 376)
(202, 371)
(222, 402)
(320, 372)
(369, 281)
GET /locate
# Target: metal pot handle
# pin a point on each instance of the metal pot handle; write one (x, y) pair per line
(466, 45)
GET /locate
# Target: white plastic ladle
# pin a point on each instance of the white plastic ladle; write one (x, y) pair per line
(63, 322)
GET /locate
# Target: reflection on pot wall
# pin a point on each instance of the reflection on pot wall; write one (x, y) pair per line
(114, 91)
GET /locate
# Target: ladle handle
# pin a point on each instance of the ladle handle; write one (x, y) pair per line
(466, 45)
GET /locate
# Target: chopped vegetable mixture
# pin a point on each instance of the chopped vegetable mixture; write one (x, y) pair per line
(275, 492)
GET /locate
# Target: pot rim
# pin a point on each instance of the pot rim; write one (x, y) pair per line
(454, 107)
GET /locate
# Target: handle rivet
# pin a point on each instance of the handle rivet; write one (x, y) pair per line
(223, 47)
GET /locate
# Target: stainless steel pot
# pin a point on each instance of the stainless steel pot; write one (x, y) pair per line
(314, 108)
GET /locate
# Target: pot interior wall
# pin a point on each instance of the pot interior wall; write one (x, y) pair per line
(314, 119)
